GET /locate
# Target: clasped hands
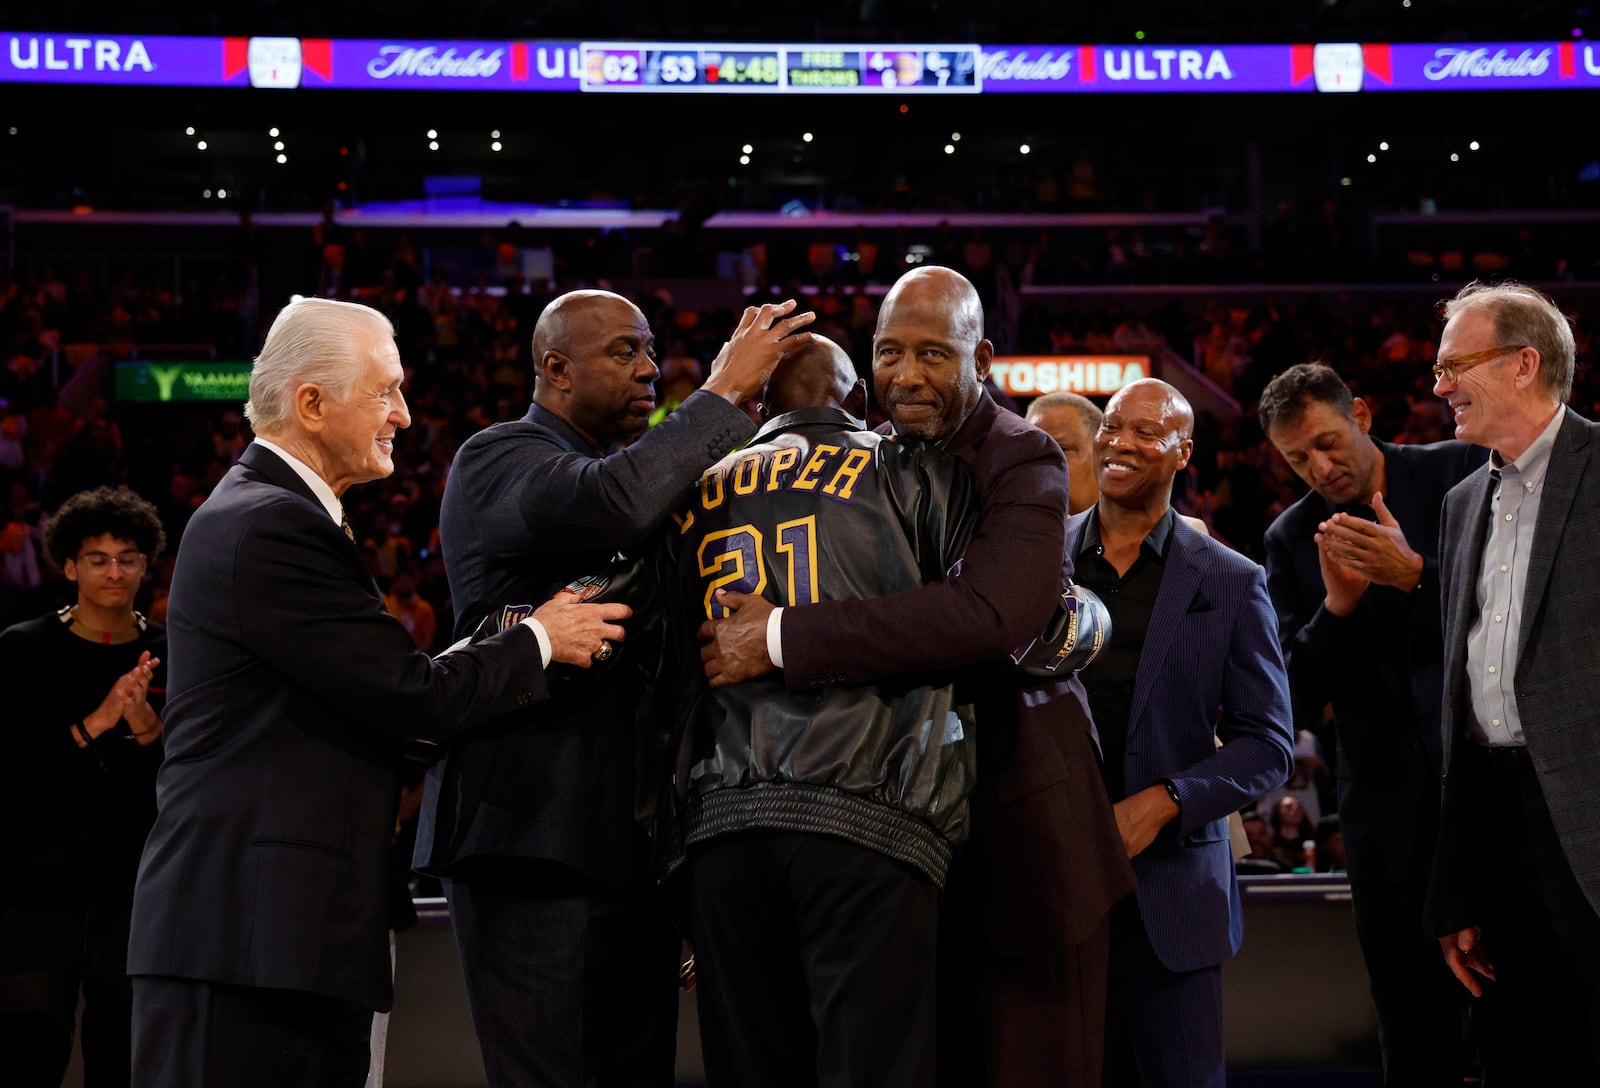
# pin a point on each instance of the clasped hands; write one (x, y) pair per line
(1354, 553)
(128, 700)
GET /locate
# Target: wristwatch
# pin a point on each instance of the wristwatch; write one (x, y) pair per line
(1172, 792)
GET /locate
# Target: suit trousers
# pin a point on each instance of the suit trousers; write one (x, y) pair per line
(570, 982)
(1422, 1009)
(1017, 1022)
(188, 1033)
(1163, 1028)
(47, 954)
(816, 961)
(1541, 1022)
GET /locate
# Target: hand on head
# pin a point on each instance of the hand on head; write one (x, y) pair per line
(764, 336)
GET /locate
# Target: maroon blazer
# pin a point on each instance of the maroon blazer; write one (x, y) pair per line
(1049, 861)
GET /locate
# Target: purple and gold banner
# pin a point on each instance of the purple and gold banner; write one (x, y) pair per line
(130, 60)
(629, 67)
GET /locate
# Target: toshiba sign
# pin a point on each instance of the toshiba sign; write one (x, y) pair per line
(1031, 375)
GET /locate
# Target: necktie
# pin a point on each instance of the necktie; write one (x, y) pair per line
(344, 523)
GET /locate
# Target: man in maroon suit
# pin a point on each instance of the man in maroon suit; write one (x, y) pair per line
(1023, 962)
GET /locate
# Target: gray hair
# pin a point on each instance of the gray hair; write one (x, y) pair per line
(1088, 411)
(1525, 316)
(312, 340)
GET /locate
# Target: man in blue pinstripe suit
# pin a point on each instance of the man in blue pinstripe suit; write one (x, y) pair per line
(1193, 658)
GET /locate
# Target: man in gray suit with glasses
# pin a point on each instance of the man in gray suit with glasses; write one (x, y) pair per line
(1516, 877)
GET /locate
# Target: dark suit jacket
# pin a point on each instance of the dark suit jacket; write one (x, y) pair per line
(1381, 667)
(1212, 643)
(291, 690)
(529, 507)
(1050, 861)
(1557, 679)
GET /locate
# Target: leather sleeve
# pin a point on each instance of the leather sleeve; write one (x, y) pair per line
(1007, 587)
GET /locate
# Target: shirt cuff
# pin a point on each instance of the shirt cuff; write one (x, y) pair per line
(542, 635)
(775, 637)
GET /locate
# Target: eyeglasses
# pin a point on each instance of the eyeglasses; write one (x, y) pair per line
(100, 561)
(1450, 369)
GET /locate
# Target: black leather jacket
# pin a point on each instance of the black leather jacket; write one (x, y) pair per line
(819, 508)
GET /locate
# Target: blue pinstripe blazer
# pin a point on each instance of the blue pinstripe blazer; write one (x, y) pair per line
(1210, 668)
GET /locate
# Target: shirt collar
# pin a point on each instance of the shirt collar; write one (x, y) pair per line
(319, 487)
(1155, 543)
(1531, 465)
(829, 414)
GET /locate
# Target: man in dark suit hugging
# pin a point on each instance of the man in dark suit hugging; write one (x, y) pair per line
(1022, 953)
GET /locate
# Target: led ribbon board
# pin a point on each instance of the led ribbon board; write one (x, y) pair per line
(285, 63)
(820, 69)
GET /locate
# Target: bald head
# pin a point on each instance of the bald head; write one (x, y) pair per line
(1160, 396)
(818, 375)
(929, 357)
(568, 316)
(941, 289)
(1144, 441)
(594, 365)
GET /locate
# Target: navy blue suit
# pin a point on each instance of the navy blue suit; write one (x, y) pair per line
(1212, 643)
(1381, 667)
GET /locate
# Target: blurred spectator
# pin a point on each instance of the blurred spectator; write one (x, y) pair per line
(1291, 830)
(13, 443)
(19, 565)
(230, 439)
(390, 548)
(405, 605)
(1330, 845)
(1310, 781)
(1262, 859)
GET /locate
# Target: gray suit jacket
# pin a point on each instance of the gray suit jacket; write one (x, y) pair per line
(1557, 678)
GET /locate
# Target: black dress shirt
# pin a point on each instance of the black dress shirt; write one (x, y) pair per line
(1130, 598)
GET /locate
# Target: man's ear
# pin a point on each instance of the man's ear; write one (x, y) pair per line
(1528, 363)
(984, 354)
(1362, 414)
(1185, 451)
(311, 403)
(70, 569)
(555, 369)
(856, 402)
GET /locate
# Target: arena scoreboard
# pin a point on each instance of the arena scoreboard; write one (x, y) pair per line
(774, 69)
